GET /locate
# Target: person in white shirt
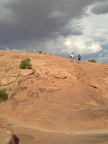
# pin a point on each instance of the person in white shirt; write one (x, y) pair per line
(72, 57)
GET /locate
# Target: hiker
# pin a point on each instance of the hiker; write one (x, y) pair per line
(79, 58)
(72, 57)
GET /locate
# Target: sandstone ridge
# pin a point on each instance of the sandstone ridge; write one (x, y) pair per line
(55, 94)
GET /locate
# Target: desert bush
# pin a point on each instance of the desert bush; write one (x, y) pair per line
(25, 64)
(92, 60)
(3, 95)
(39, 51)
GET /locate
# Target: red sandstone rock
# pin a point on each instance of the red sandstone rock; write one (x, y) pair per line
(6, 137)
(55, 94)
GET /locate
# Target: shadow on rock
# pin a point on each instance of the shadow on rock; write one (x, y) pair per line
(14, 140)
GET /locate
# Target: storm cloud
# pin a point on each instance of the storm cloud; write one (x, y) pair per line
(39, 19)
(42, 23)
(100, 8)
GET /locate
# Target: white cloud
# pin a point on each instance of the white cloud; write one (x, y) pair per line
(96, 47)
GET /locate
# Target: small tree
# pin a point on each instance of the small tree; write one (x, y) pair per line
(25, 64)
(3, 95)
(92, 60)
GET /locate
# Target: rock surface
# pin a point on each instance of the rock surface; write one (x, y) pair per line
(56, 94)
(6, 137)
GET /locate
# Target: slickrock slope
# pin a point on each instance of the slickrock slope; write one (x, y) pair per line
(55, 94)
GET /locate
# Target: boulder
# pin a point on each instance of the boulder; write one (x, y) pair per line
(6, 137)
(61, 75)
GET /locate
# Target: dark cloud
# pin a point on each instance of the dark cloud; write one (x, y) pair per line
(100, 8)
(40, 19)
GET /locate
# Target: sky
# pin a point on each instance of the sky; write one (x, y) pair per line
(60, 27)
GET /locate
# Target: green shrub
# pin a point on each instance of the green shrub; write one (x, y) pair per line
(25, 64)
(3, 95)
(92, 60)
(39, 51)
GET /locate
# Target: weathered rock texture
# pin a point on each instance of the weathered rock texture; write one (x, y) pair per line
(6, 137)
(55, 93)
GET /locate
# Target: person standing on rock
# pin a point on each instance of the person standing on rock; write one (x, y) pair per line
(79, 58)
(72, 57)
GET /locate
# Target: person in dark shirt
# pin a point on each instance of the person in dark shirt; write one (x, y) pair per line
(79, 58)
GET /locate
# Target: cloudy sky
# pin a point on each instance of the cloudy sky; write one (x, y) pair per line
(57, 26)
